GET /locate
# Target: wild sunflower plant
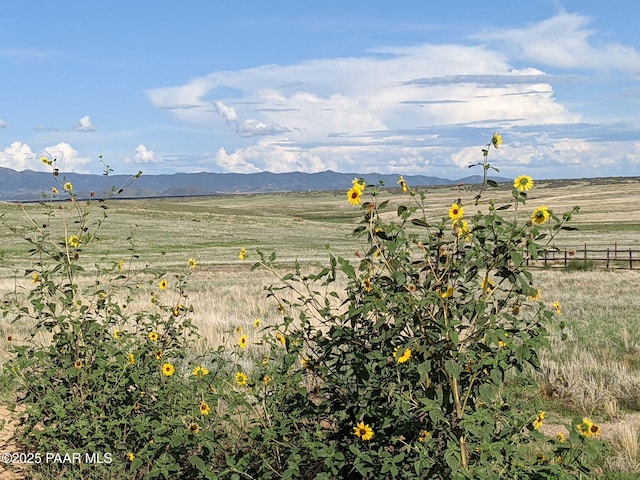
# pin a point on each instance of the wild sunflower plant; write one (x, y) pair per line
(403, 374)
(92, 376)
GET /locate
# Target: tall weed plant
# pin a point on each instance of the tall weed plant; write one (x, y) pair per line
(400, 375)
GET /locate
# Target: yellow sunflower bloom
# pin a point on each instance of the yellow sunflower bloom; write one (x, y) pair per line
(358, 184)
(496, 140)
(68, 187)
(540, 215)
(54, 191)
(256, 323)
(557, 308)
(131, 456)
(242, 379)
(445, 293)
(153, 336)
(73, 241)
(243, 254)
(456, 212)
(131, 358)
(402, 184)
(242, 341)
(523, 183)
(354, 195)
(200, 371)
(406, 355)
(192, 263)
(282, 339)
(163, 284)
(194, 428)
(168, 370)
(204, 408)
(363, 431)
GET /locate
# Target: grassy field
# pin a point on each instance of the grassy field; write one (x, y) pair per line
(595, 372)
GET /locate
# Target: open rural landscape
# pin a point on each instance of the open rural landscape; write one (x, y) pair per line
(208, 246)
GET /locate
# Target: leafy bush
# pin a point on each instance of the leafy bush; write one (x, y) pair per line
(400, 375)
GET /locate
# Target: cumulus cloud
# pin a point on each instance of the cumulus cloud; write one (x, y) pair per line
(67, 158)
(3, 124)
(565, 41)
(401, 109)
(144, 156)
(20, 156)
(85, 125)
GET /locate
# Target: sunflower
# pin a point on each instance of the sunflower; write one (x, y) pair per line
(538, 421)
(523, 183)
(282, 339)
(192, 263)
(120, 265)
(241, 378)
(535, 297)
(354, 196)
(402, 184)
(266, 379)
(68, 187)
(194, 428)
(74, 241)
(496, 140)
(540, 215)
(256, 323)
(168, 370)
(556, 307)
(456, 212)
(424, 436)
(131, 358)
(163, 284)
(560, 437)
(45, 160)
(243, 254)
(358, 184)
(406, 355)
(35, 277)
(204, 408)
(585, 427)
(242, 341)
(488, 285)
(77, 364)
(54, 191)
(153, 336)
(200, 371)
(363, 431)
(445, 293)
(366, 283)
(594, 430)
(131, 456)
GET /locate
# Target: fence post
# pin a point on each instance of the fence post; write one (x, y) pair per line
(607, 259)
(615, 254)
(630, 259)
(565, 258)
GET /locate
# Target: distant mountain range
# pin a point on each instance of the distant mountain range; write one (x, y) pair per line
(28, 185)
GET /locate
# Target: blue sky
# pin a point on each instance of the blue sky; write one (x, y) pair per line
(407, 87)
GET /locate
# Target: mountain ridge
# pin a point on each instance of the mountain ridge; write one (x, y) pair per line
(29, 185)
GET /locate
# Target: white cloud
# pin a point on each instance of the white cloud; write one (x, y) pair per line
(405, 109)
(144, 155)
(85, 125)
(67, 158)
(3, 124)
(19, 156)
(565, 41)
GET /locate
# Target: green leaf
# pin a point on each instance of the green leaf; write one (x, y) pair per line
(492, 183)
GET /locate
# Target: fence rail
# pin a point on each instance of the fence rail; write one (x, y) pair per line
(614, 257)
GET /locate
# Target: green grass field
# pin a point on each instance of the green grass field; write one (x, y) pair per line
(595, 372)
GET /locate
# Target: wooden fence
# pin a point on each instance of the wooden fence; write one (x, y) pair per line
(586, 256)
